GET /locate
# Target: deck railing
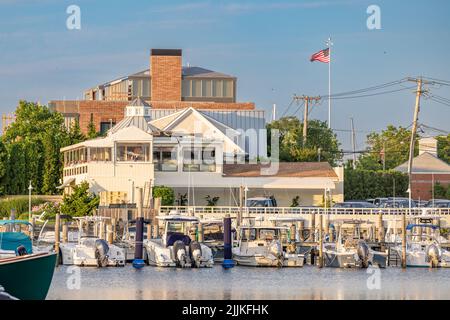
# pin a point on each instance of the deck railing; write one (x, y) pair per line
(219, 210)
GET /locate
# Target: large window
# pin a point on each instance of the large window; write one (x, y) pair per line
(208, 88)
(165, 158)
(134, 152)
(199, 159)
(105, 126)
(76, 156)
(100, 154)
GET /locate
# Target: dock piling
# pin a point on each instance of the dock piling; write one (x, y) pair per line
(138, 262)
(227, 243)
(320, 241)
(57, 223)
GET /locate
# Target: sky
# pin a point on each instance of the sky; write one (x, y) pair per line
(265, 44)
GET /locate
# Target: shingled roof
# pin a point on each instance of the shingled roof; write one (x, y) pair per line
(285, 169)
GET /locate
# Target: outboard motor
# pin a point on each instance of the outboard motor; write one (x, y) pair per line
(179, 253)
(363, 253)
(101, 252)
(276, 249)
(21, 251)
(195, 252)
(433, 255)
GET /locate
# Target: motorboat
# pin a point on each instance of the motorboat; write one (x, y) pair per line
(127, 241)
(259, 246)
(28, 276)
(294, 254)
(212, 236)
(351, 250)
(176, 248)
(91, 250)
(16, 239)
(423, 247)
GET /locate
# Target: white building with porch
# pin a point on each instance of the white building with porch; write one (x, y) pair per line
(195, 155)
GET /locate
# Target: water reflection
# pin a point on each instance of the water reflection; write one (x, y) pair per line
(243, 283)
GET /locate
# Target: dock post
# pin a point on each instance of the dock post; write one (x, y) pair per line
(320, 242)
(200, 232)
(326, 226)
(301, 227)
(109, 233)
(312, 227)
(293, 231)
(381, 234)
(227, 243)
(138, 262)
(57, 223)
(404, 240)
(65, 232)
(113, 229)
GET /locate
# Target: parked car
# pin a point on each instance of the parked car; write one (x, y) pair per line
(399, 203)
(261, 202)
(380, 201)
(438, 203)
(354, 204)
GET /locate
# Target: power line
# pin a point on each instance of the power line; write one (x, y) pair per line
(287, 109)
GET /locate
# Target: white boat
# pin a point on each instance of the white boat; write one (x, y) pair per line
(423, 249)
(175, 248)
(294, 255)
(351, 250)
(91, 250)
(259, 246)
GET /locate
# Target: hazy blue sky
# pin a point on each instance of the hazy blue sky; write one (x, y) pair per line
(265, 44)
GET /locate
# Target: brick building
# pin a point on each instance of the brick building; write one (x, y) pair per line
(168, 86)
(427, 170)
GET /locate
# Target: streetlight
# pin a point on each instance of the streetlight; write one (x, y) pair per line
(30, 187)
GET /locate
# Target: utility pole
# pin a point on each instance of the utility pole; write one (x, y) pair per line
(274, 112)
(307, 100)
(419, 93)
(353, 143)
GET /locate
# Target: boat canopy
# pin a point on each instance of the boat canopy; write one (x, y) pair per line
(5, 222)
(410, 226)
(178, 218)
(12, 240)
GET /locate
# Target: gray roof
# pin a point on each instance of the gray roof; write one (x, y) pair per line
(139, 102)
(136, 121)
(425, 163)
(189, 72)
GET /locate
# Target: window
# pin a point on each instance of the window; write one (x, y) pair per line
(133, 152)
(186, 88)
(217, 88)
(199, 159)
(165, 159)
(196, 88)
(105, 126)
(206, 88)
(100, 154)
(228, 88)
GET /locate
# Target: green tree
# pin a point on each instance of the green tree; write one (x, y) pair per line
(81, 202)
(3, 167)
(318, 136)
(396, 142)
(75, 135)
(166, 194)
(33, 142)
(364, 184)
(444, 148)
(92, 132)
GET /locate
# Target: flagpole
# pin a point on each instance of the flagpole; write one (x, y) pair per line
(329, 82)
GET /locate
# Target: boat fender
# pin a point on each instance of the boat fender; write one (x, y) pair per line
(195, 252)
(101, 252)
(179, 252)
(21, 251)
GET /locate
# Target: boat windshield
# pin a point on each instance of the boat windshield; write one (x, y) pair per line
(268, 234)
(248, 234)
(175, 227)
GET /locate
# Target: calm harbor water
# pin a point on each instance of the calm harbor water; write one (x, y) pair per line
(250, 283)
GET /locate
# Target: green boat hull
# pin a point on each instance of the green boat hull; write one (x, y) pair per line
(28, 278)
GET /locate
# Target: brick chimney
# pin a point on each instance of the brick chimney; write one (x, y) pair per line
(165, 72)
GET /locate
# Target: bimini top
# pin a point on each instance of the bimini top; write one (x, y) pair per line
(176, 217)
(5, 222)
(432, 226)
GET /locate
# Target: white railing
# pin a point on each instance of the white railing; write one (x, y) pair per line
(219, 210)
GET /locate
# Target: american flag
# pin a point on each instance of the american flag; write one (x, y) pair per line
(322, 56)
